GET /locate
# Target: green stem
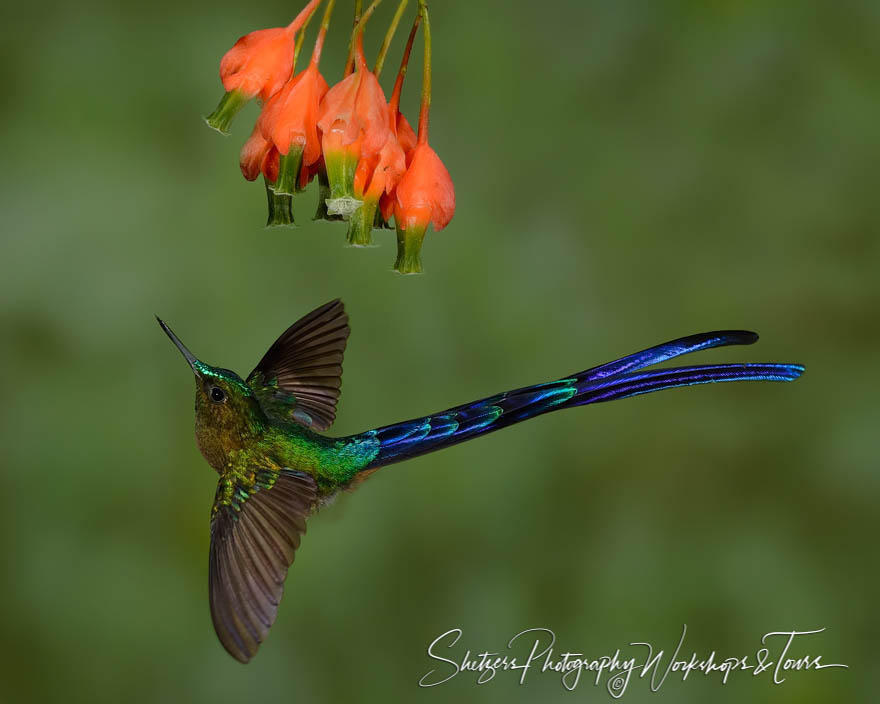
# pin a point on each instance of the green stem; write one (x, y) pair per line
(357, 34)
(322, 33)
(349, 62)
(426, 76)
(394, 103)
(302, 35)
(389, 35)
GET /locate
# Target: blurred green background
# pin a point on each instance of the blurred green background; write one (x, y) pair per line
(626, 172)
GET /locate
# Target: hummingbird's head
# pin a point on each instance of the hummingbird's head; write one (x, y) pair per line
(228, 415)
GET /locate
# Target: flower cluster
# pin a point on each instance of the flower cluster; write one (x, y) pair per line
(370, 163)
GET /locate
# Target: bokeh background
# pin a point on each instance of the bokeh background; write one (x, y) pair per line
(626, 172)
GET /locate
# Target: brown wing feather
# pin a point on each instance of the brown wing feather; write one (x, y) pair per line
(253, 542)
(306, 362)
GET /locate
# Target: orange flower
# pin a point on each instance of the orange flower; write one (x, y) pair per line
(354, 126)
(290, 122)
(254, 155)
(258, 155)
(374, 178)
(424, 195)
(258, 64)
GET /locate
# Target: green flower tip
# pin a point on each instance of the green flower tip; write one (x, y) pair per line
(409, 251)
(288, 172)
(341, 166)
(360, 224)
(280, 208)
(230, 105)
(323, 194)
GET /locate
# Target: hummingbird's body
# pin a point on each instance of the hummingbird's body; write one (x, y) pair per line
(262, 436)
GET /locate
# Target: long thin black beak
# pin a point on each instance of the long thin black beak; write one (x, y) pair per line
(177, 343)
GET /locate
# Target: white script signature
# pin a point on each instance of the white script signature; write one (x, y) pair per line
(534, 651)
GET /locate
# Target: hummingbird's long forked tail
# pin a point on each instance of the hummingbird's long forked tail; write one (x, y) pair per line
(607, 382)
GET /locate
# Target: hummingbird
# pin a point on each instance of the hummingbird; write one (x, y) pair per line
(263, 435)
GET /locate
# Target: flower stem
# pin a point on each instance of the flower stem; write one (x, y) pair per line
(426, 76)
(349, 62)
(322, 33)
(303, 16)
(389, 35)
(298, 43)
(357, 34)
(394, 103)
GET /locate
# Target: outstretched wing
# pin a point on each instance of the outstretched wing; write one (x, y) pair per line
(255, 531)
(300, 376)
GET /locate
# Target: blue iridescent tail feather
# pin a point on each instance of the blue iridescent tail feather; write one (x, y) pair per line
(607, 382)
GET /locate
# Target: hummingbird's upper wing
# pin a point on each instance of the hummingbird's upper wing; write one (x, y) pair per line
(255, 531)
(299, 377)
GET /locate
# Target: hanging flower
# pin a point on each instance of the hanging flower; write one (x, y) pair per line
(289, 121)
(424, 195)
(375, 177)
(258, 155)
(354, 125)
(371, 165)
(258, 64)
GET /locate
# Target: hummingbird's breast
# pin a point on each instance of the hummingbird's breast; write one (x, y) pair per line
(225, 449)
(210, 449)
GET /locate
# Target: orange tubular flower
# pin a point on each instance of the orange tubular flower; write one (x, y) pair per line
(290, 120)
(424, 195)
(259, 155)
(258, 64)
(354, 126)
(374, 178)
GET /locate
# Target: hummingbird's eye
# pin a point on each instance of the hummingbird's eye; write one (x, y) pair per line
(217, 394)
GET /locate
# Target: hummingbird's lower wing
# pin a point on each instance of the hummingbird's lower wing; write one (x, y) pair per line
(255, 531)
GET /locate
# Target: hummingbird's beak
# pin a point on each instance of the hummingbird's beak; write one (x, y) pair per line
(177, 343)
